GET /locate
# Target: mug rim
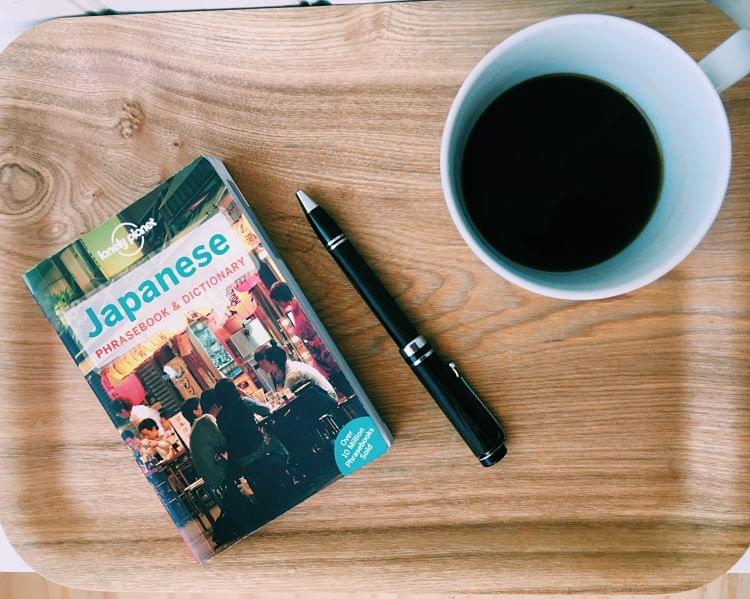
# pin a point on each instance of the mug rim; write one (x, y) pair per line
(471, 235)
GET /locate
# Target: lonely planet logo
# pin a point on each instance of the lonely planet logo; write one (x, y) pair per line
(127, 239)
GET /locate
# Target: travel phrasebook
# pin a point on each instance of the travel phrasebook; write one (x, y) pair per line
(216, 372)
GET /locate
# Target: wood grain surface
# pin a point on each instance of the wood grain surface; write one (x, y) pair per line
(628, 418)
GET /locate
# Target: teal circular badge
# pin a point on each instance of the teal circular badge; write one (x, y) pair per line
(358, 444)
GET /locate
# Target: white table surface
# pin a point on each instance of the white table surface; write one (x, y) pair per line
(9, 559)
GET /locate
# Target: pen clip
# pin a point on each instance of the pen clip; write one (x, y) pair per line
(480, 401)
(459, 376)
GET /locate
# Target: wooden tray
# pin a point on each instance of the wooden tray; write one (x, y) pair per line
(628, 418)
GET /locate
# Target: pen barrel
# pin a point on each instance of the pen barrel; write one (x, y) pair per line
(374, 293)
(466, 411)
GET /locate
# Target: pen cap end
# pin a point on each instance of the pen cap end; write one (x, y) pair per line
(308, 204)
(494, 457)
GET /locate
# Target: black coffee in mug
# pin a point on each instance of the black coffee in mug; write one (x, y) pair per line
(561, 172)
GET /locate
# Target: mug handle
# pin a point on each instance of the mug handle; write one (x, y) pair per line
(729, 62)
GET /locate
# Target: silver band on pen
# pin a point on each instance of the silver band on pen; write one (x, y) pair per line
(336, 241)
(417, 351)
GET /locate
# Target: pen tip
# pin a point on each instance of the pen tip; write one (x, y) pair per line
(308, 204)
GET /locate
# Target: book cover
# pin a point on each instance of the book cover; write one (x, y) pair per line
(217, 374)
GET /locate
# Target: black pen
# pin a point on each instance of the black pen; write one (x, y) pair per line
(464, 408)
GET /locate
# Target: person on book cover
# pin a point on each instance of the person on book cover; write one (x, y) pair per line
(154, 441)
(288, 373)
(206, 443)
(207, 446)
(137, 414)
(209, 403)
(247, 447)
(276, 454)
(303, 328)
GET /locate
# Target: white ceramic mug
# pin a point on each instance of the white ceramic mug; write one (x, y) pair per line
(678, 96)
